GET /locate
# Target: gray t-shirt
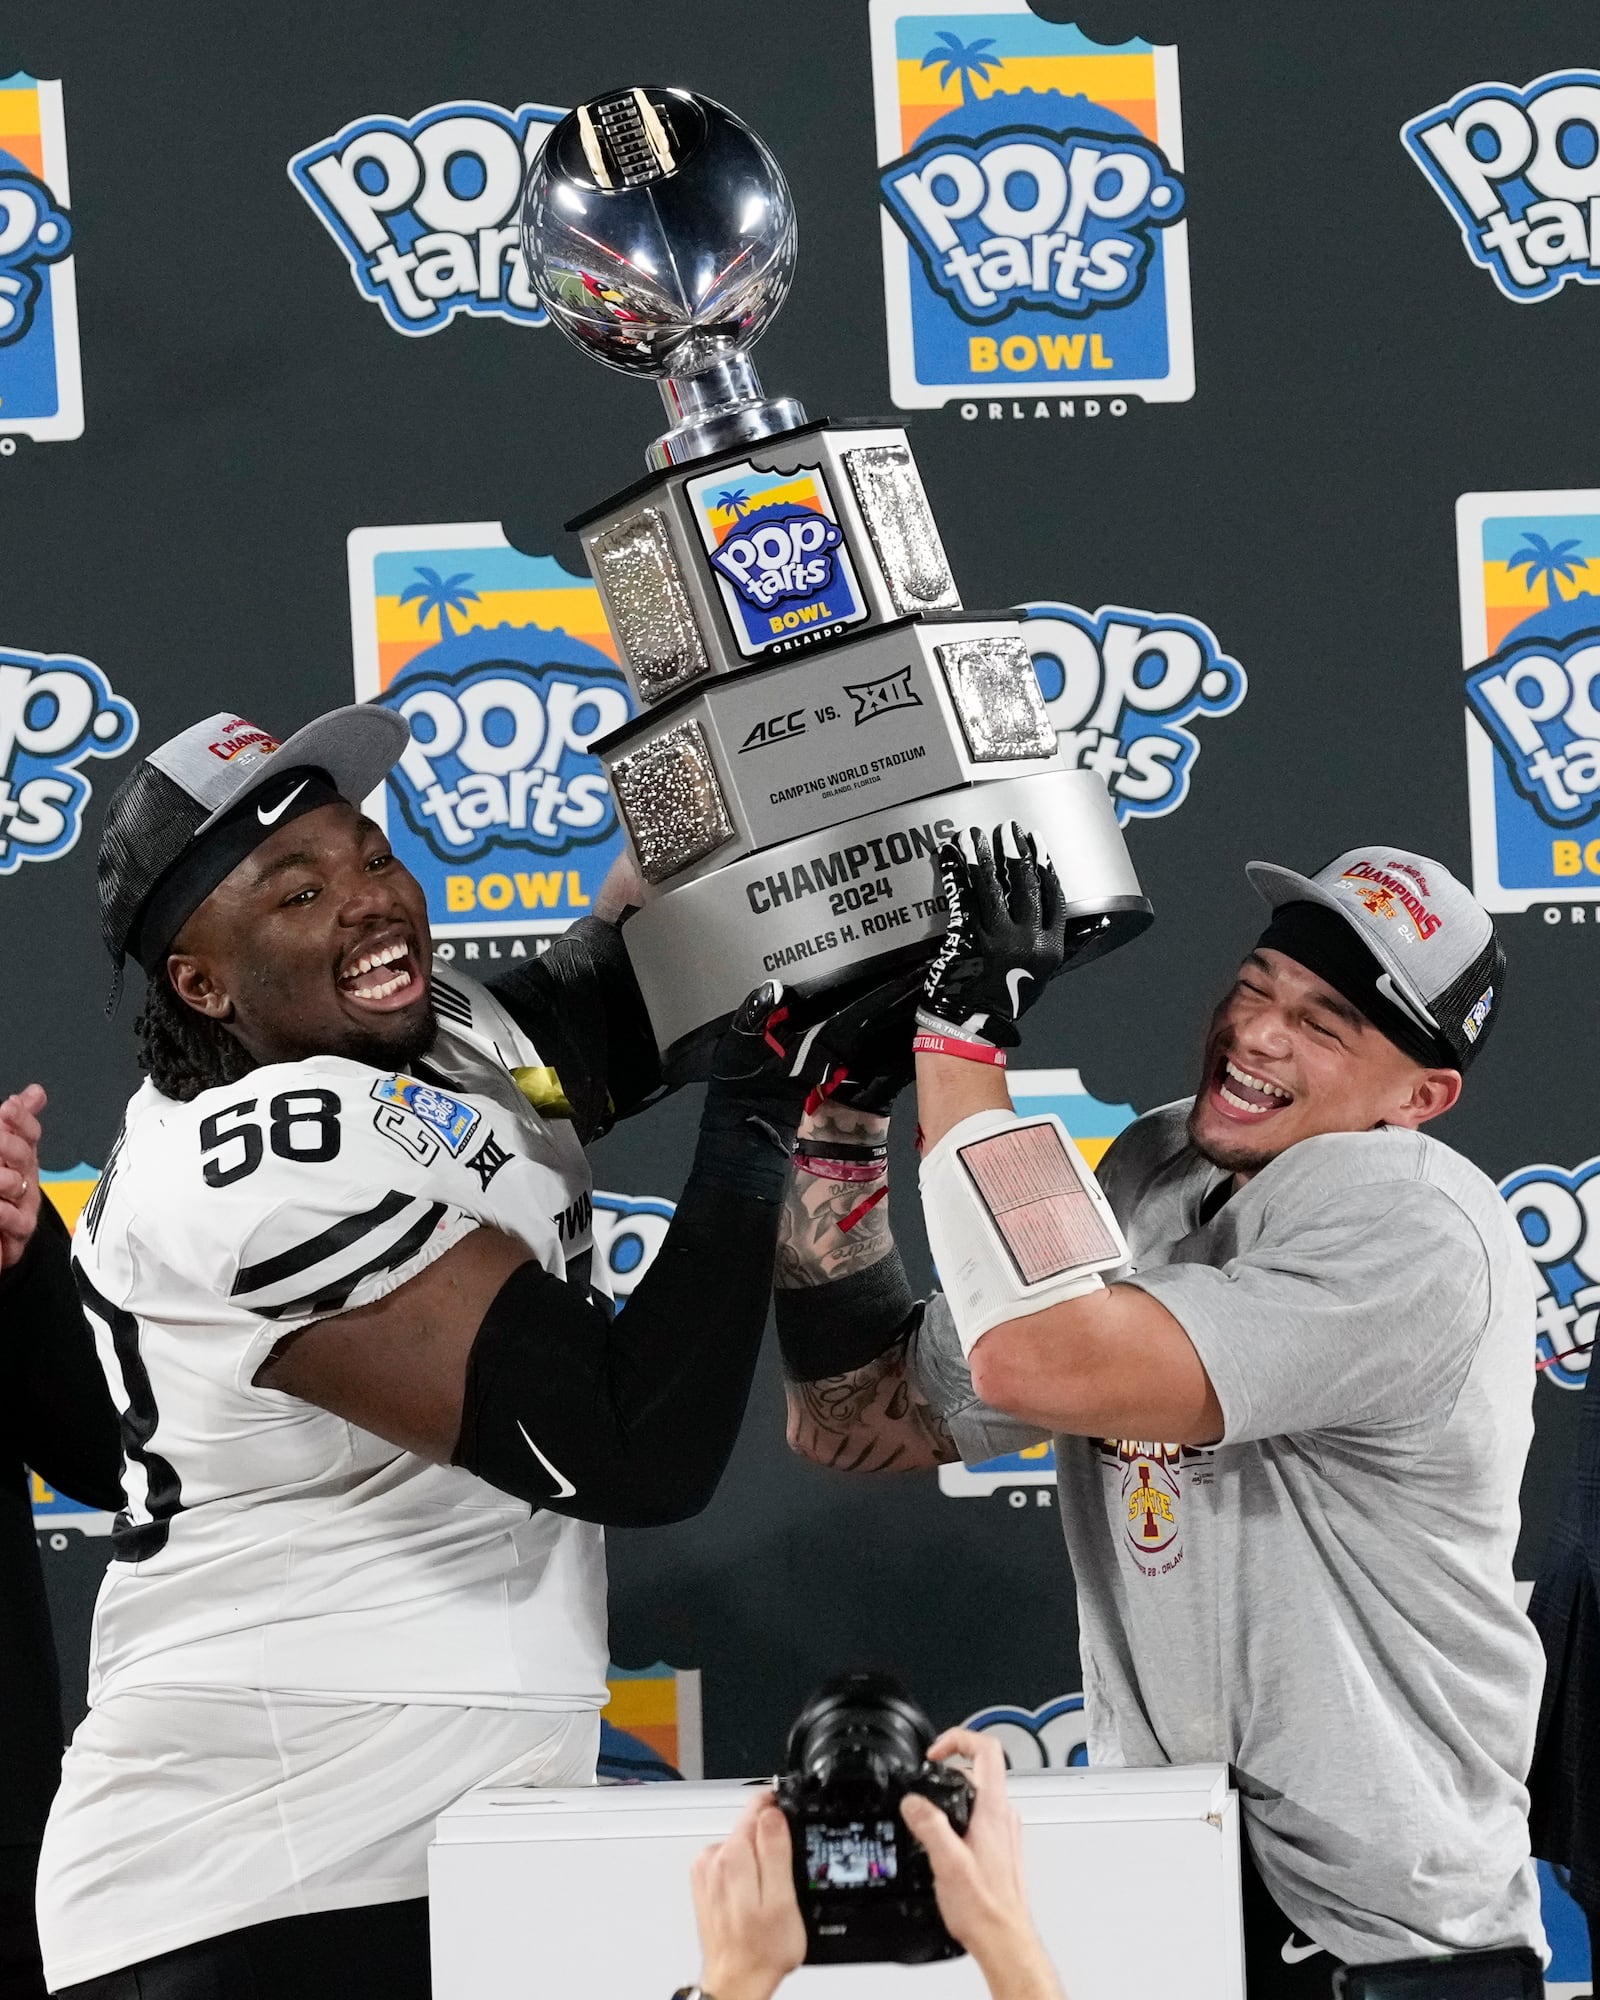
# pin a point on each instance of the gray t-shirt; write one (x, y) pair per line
(1323, 1600)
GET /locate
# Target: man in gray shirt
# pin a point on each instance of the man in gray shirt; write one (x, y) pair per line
(1290, 1432)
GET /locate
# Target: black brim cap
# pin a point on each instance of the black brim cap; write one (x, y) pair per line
(177, 796)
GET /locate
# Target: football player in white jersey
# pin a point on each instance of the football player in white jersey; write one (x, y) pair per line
(375, 1408)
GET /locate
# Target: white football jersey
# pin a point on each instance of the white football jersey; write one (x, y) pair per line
(268, 1544)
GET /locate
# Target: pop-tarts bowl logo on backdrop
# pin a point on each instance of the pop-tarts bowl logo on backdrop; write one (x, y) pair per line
(56, 711)
(1558, 1213)
(41, 384)
(1121, 686)
(777, 552)
(1052, 1737)
(1529, 566)
(1093, 1125)
(1032, 191)
(504, 667)
(425, 209)
(1520, 172)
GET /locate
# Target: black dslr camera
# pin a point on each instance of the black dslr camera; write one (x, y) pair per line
(865, 1885)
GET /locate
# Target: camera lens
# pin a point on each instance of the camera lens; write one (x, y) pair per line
(862, 1727)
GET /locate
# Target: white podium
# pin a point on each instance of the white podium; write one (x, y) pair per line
(1134, 1877)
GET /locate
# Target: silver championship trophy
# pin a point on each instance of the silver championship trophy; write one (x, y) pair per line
(817, 710)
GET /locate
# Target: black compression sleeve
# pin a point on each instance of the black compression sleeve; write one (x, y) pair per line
(834, 1329)
(581, 1007)
(628, 1421)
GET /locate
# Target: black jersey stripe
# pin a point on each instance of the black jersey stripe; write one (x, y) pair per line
(132, 1540)
(317, 1249)
(333, 1297)
(453, 1005)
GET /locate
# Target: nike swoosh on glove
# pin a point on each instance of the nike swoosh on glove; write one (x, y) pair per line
(1005, 938)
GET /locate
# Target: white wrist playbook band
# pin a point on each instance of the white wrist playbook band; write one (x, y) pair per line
(1016, 1221)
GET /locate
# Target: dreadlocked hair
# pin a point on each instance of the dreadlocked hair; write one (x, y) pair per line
(182, 1052)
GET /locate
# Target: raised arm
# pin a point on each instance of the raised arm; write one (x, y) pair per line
(580, 1005)
(1112, 1362)
(487, 1361)
(846, 1316)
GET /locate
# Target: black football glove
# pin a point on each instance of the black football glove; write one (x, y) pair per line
(1005, 939)
(860, 1056)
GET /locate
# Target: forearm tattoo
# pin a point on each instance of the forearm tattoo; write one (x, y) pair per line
(872, 1420)
(828, 1229)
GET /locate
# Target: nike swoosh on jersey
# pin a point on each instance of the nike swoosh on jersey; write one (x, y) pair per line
(1014, 979)
(271, 818)
(1291, 1953)
(564, 1486)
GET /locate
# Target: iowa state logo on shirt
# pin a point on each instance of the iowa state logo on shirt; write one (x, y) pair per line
(1149, 1479)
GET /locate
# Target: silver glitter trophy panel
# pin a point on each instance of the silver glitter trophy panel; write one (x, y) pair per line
(817, 711)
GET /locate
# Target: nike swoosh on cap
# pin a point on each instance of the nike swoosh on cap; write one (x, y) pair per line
(271, 818)
(1291, 1953)
(564, 1486)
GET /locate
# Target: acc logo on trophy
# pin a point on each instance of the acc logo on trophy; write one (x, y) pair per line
(1120, 687)
(1558, 1214)
(504, 668)
(41, 387)
(777, 552)
(425, 209)
(1520, 172)
(1529, 567)
(1032, 193)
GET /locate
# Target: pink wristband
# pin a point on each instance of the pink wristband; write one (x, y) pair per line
(924, 1043)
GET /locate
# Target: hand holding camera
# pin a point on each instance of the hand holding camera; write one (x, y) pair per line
(751, 1934)
(978, 1880)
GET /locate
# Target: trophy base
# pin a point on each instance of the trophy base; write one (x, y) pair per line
(849, 904)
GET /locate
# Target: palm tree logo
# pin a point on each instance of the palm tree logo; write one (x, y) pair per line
(734, 502)
(963, 60)
(441, 594)
(1539, 559)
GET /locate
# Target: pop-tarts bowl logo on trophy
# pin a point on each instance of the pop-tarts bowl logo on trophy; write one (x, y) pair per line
(776, 548)
(1033, 198)
(41, 392)
(425, 209)
(1529, 568)
(504, 668)
(1520, 172)
(1558, 1214)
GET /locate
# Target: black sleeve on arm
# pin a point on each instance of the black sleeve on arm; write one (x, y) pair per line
(631, 1421)
(58, 1412)
(834, 1329)
(581, 1007)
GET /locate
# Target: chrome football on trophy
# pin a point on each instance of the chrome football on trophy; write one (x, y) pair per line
(817, 711)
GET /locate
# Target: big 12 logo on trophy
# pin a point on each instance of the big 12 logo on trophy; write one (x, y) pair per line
(1529, 567)
(504, 667)
(1033, 196)
(41, 386)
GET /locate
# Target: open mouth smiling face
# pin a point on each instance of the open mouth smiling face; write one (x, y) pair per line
(383, 974)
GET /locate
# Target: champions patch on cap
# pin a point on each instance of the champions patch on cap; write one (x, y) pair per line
(1438, 971)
